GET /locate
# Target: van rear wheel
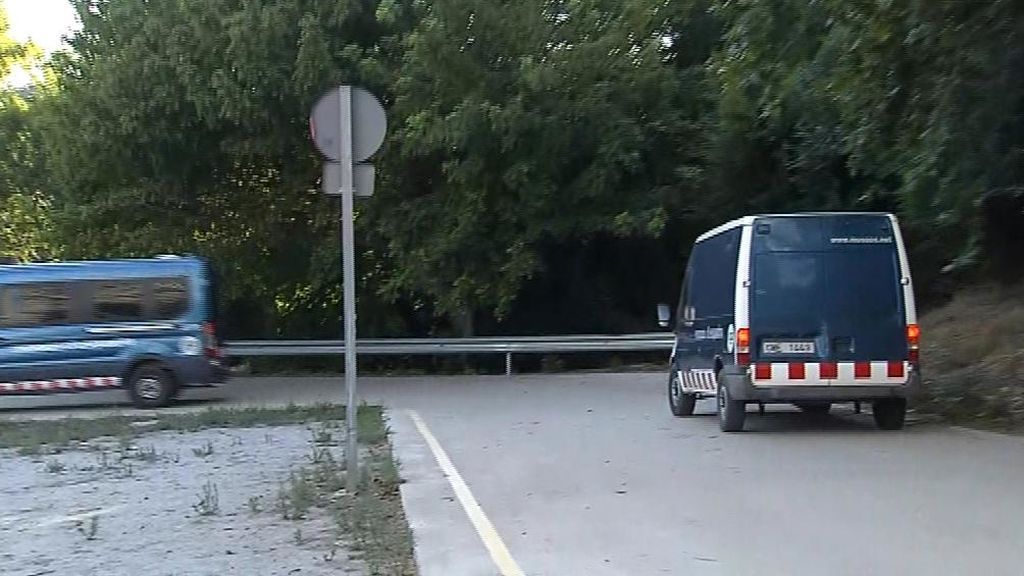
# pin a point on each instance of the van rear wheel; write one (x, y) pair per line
(150, 386)
(731, 413)
(681, 403)
(890, 413)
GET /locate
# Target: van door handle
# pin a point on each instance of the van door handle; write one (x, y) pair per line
(131, 329)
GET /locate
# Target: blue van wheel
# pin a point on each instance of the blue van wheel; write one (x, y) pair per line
(731, 413)
(150, 386)
(681, 403)
(890, 413)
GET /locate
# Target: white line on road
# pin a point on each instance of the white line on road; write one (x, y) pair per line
(495, 546)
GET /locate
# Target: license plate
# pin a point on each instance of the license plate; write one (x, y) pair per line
(787, 347)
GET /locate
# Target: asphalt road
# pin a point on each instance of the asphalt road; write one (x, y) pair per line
(590, 475)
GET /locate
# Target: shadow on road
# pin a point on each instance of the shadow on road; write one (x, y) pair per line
(785, 420)
(797, 422)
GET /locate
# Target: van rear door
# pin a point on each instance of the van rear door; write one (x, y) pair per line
(826, 289)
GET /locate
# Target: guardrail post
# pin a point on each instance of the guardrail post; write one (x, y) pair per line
(508, 364)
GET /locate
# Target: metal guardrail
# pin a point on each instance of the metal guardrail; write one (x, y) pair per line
(438, 346)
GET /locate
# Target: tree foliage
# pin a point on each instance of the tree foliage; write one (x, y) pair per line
(181, 127)
(565, 125)
(542, 154)
(25, 227)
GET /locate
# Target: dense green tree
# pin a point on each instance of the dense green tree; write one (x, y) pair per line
(11, 52)
(25, 227)
(912, 106)
(548, 161)
(181, 127)
(531, 122)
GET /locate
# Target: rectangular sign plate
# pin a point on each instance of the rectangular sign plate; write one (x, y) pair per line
(802, 347)
(362, 176)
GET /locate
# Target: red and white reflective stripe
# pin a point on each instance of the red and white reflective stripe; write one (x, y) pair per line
(697, 380)
(830, 373)
(60, 385)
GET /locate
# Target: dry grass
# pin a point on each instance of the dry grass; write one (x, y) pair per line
(973, 358)
(31, 436)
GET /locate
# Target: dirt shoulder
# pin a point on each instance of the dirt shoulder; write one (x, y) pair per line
(973, 359)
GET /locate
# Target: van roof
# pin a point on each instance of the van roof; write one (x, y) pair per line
(749, 220)
(98, 269)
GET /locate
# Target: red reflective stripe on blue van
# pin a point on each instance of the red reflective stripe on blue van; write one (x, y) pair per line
(828, 370)
(63, 384)
(862, 370)
(830, 373)
(895, 370)
(797, 371)
(763, 371)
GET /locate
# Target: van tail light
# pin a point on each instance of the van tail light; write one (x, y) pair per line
(211, 349)
(743, 346)
(914, 343)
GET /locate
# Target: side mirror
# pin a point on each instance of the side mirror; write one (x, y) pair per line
(664, 315)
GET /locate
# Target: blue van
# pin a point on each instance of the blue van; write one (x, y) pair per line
(147, 326)
(808, 309)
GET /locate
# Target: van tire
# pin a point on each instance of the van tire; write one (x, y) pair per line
(680, 403)
(731, 413)
(815, 408)
(150, 386)
(890, 413)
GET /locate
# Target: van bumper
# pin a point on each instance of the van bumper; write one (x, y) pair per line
(741, 388)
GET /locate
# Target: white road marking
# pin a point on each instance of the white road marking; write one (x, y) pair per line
(495, 545)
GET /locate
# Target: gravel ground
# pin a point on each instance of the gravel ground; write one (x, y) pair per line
(166, 504)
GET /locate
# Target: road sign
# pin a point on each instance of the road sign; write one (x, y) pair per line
(348, 125)
(362, 179)
(369, 124)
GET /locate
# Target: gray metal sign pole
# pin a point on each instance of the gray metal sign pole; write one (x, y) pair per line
(348, 274)
(348, 127)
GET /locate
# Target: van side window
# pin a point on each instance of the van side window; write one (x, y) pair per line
(170, 298)
(118, 301)
(40, 305)
(684, 296)
(713, 287)
(7, 307)
(139, 300)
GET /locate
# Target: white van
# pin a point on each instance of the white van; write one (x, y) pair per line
(808, 309)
